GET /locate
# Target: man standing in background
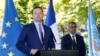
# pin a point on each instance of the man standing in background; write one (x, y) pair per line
(73, 41)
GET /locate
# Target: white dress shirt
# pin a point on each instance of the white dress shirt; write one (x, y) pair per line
(37, 28)
(74, 37)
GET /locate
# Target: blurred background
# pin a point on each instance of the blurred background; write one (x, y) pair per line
(65, 11)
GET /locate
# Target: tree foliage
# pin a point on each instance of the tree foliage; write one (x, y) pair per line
(24, 8)
(76, 10)
(65, 10)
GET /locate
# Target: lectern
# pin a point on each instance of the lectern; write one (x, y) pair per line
(58, 53)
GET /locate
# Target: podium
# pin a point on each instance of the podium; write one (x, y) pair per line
(58, 53)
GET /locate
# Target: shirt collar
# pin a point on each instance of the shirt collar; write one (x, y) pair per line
(72, 34)
(37, 23)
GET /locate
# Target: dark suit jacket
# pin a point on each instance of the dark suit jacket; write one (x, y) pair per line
(66, 44)
(29, 39)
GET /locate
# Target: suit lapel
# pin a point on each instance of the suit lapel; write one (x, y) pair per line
(44, 33)
(46, 38)
(34, 27)
(70, 37)
(76, 40)
(37, 36)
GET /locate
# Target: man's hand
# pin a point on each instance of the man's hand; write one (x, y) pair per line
(34, 51)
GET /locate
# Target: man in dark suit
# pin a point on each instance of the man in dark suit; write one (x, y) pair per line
(35, 36)
(73, 41)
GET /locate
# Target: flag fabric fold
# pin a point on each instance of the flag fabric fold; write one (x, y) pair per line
(93, 34)
(10, 31)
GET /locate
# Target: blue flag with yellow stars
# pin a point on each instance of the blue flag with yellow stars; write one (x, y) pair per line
(10, 31)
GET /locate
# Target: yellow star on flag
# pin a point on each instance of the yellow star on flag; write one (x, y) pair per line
(3, 35)
(16, 19)
(8, 24)
(10, 53)
(4, 46)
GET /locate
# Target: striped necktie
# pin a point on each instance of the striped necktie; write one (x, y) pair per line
(74, 45)
(41, 33)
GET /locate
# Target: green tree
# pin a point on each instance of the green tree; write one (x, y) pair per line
(65, 10)
(24, 8)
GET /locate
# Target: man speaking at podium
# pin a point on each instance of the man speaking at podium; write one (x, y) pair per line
(73, 41)
(35, 36)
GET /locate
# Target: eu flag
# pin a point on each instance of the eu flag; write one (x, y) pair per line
(93, 34)
(10, 31)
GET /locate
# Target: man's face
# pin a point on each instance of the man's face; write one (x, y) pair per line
(72, 28)
(38, 15)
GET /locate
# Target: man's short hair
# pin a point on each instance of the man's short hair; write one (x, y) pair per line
(72, 23)
(36, 8)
